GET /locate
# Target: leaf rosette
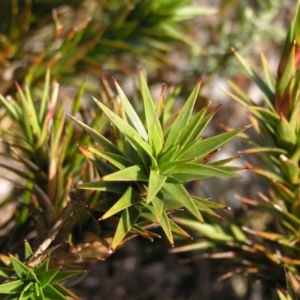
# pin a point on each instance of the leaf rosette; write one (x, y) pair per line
(143, 172)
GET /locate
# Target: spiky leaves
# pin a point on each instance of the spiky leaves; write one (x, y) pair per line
(277, 126)
(33, 283)
(277, 146)
(151, 164)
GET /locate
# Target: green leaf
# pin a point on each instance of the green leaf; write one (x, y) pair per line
(168, 155)
(6, 272)
(131, 113)
(205, 206)
(12, 287)
(102, 166)
(127, 220)
(194, 128)
(63, 275)
(105, 186)
(44, 100)
(28, 250)
(182, 119)
(133, 173)
(209, 230)
(143, 149)
(285, 134)
(100, 139)
(158, 207)
(129, 198)
(11, 108)
(189, 12)
(270, 80)
(155, 132)
(19, 267)
(119, 161)
(267, 93)
(31, 113)
(199, 149)
(165, 224)
(176, 229)
(203, 171)
(180, 194)
(51, 293)
(45, 278)
(61, 289)
(31, 276)
(156, 181)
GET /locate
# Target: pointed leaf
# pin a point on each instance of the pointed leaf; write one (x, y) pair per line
(203, 171)
(28, 250)
(208, 230)
(153, 125)
(100, 139)
(119, 161)
(180, 194)
(12, 287)
(127, 220)
(105, 186)
(45, 278)
(158, 207)
(61, 289)
(6, 272)
(195, 127)
(183, 118)
(165, 224)
(131, 134)
(63, 275)
(19, 267)
(129, 198)
(51, 293)
(199, 149)
(268, 95)
(131, 113)
(133, 173)
(156, 181)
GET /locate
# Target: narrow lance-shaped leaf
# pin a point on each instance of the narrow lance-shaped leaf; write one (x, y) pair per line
(143, 149)
(153, 125)
(127, 220)
(199, 149)
(133, 173)
(131, 113)
(165, 224)
(99, 138)
(180, 194)
(156, 181)
(158, 207)
(193, 129)
(119, 161)
(183, 118)
(267, 93)
(129, 198)
(19, 267)
(44, 101)
(161, 106)
(105, 186)
(12, 287)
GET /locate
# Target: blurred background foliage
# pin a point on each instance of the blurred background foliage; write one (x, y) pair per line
(175, 42)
